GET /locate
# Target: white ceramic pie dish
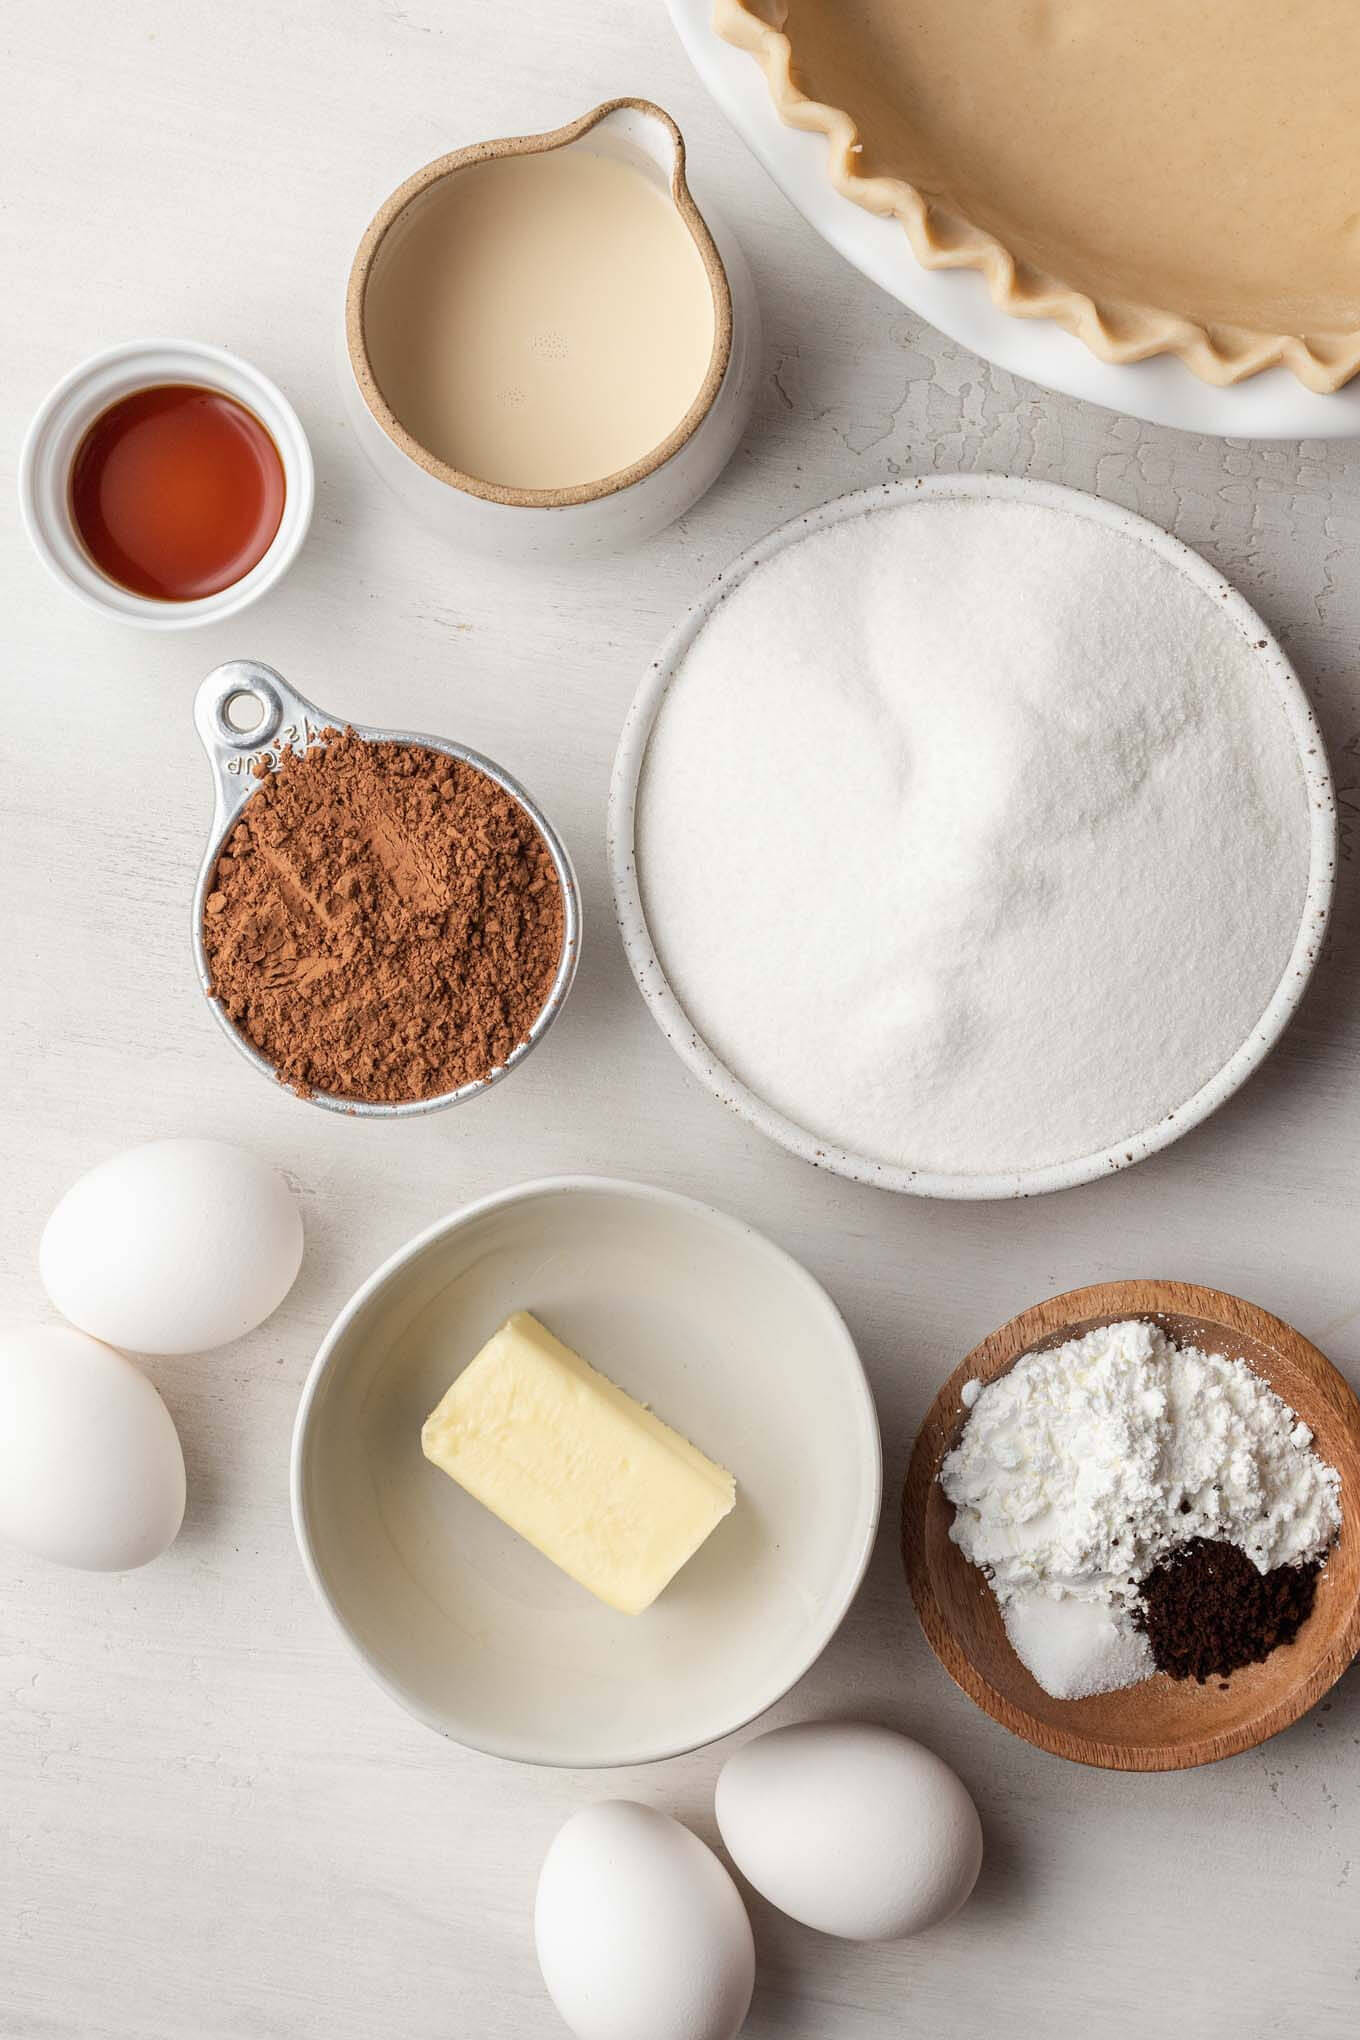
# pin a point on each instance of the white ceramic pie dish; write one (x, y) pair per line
(694, 1051)
(1274, 405)
(694, 1313)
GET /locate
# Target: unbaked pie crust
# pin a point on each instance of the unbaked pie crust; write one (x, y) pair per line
(1157, 176)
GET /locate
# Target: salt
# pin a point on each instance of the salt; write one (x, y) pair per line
(971, 835)
(1076, 1649)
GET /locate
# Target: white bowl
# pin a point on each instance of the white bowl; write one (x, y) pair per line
(696, 1315)
(1274, 405)
(61, 424)
(683, 1036)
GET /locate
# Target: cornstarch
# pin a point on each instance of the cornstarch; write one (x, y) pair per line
(972, 836)
(1083, 1467)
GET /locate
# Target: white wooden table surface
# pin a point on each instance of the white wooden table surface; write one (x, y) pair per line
(212, 1826)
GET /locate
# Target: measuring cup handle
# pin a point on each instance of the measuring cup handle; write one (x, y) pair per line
(281, 717)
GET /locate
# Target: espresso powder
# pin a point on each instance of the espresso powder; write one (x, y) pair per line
(385, 922)
(1206, 1609)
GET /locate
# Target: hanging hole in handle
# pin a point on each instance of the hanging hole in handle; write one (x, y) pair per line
(247, 714)
(243, 712)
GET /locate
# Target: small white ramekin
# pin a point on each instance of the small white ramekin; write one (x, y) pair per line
(67, 414)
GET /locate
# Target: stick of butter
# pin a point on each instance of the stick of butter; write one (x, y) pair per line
(592, 1479)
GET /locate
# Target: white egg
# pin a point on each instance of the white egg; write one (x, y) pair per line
(850, 1828)
(174, 1247)
(91, 1472)
(641, 1933)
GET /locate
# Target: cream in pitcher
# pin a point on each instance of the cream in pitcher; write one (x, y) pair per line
(544, 318)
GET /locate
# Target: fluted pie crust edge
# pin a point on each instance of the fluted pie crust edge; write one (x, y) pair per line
(1116, 330)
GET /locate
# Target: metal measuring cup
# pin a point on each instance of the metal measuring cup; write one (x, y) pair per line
(244, 690)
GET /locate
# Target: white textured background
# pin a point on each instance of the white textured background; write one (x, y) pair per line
(212, 1827)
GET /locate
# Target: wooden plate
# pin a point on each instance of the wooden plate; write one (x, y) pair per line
(1164, 1724)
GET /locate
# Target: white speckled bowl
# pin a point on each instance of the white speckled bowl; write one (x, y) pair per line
(674, 1022)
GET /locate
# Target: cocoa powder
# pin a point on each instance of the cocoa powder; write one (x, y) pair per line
(385, 922)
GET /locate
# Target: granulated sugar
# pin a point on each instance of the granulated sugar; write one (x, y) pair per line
(971, 835)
